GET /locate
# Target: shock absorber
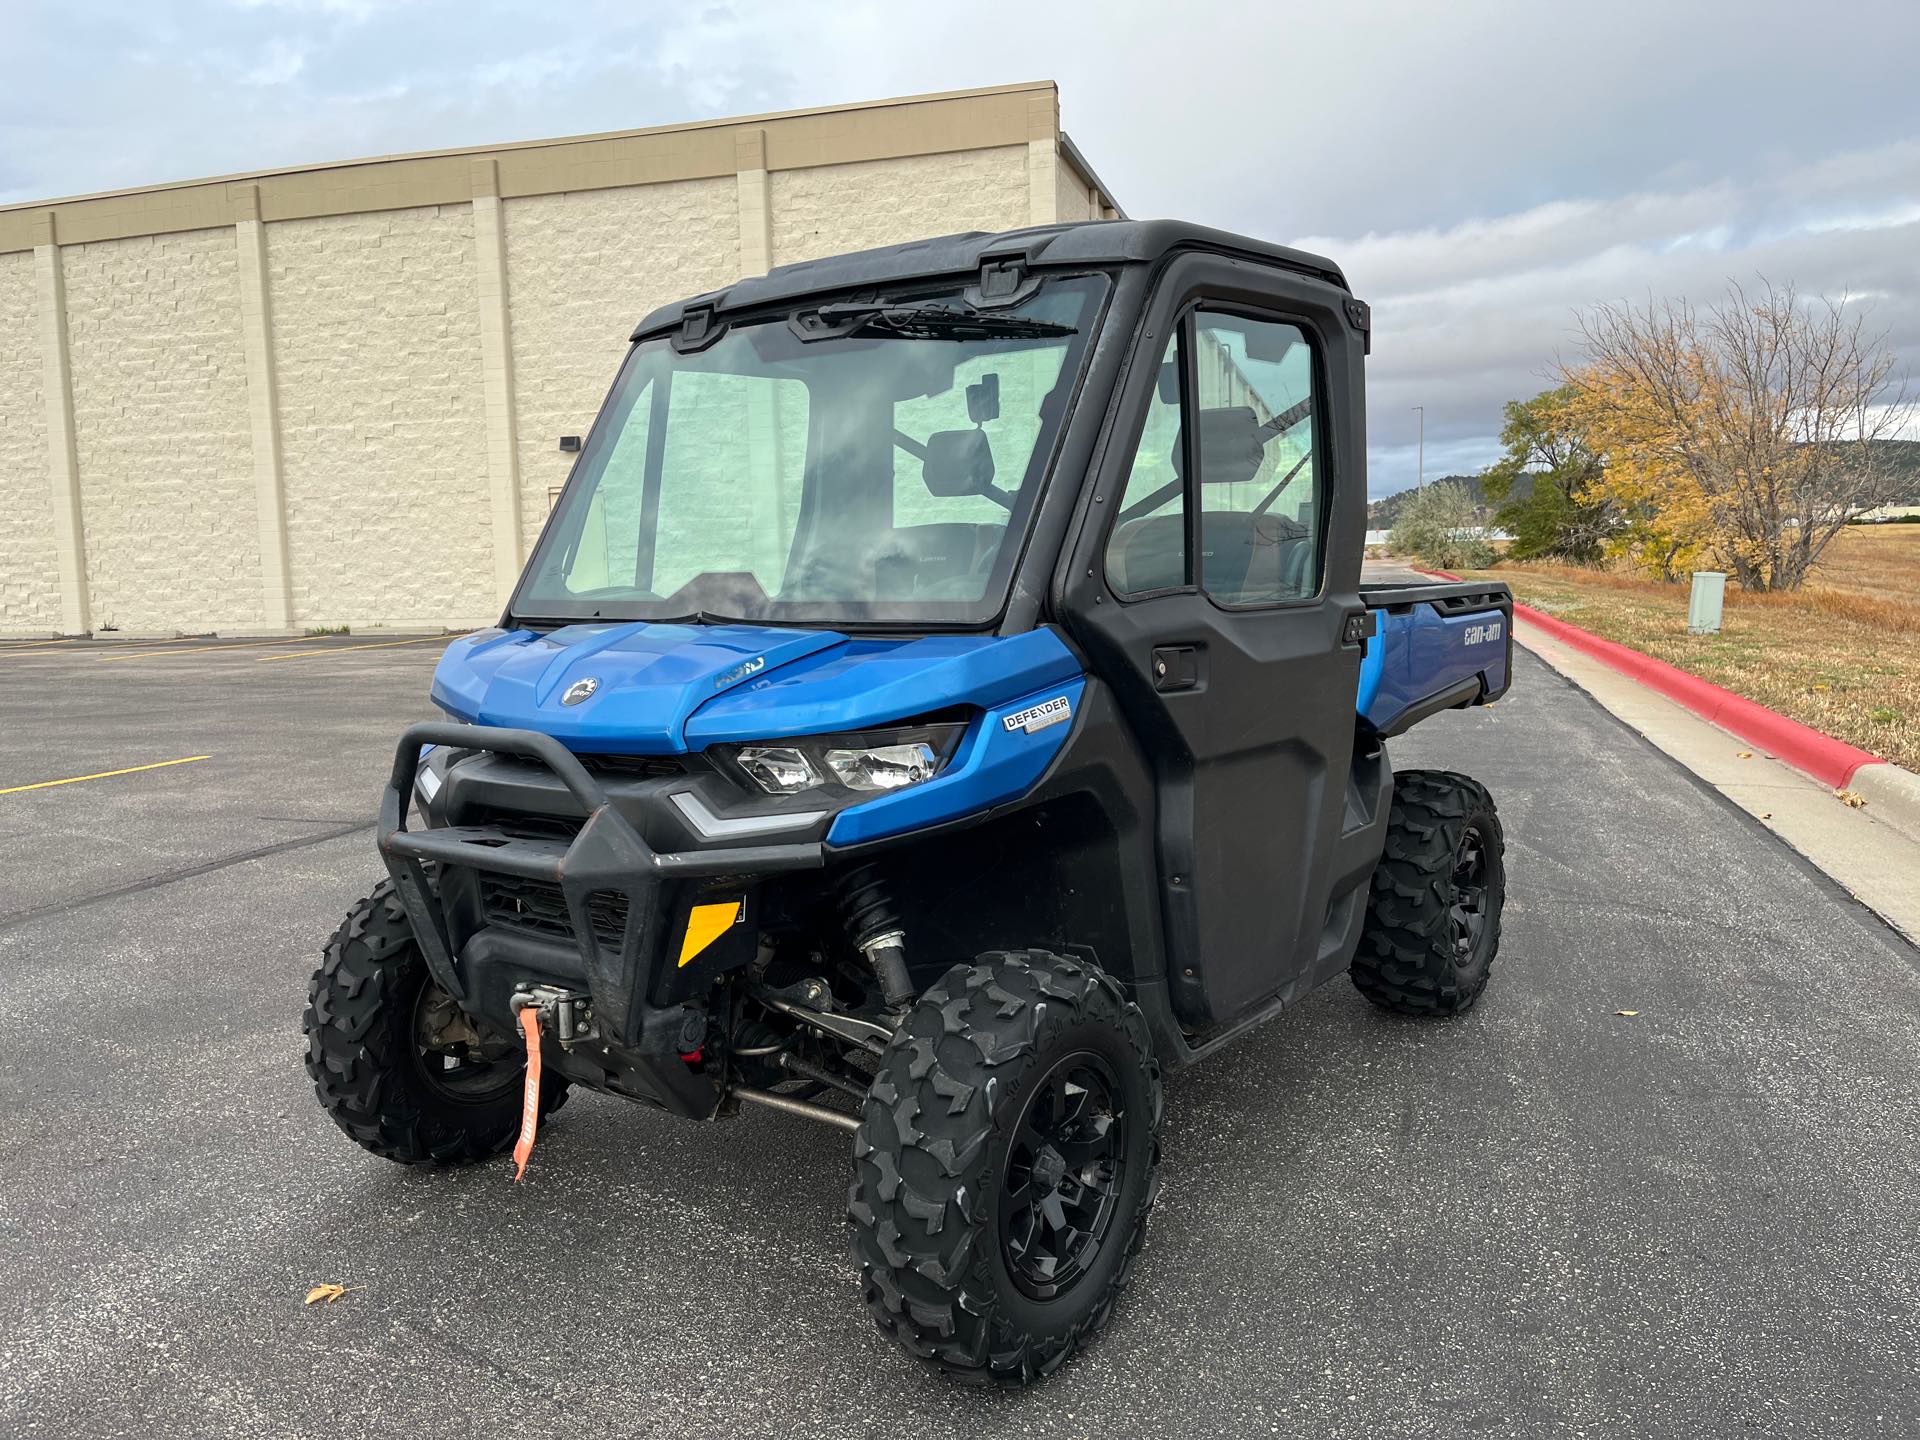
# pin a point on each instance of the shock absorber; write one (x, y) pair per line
(873, 925)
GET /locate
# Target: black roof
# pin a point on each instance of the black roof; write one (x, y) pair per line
(1089, 243)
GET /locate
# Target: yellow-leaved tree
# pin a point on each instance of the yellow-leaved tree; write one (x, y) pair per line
(1663, 519)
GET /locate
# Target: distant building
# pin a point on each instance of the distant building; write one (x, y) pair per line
(338, 394)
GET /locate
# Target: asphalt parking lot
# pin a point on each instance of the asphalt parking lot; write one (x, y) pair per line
(1546, 1218)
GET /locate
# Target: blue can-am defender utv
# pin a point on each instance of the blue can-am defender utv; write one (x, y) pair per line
(944, 693)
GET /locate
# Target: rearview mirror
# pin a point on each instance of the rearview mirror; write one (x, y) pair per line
(983, 399)
(1270, 344)
(957, 462)
(1231, 445)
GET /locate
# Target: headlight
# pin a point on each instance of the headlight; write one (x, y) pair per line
(883, 767)
(777, 769)
(865, 764)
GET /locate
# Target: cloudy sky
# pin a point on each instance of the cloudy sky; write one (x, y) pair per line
(1482, 170)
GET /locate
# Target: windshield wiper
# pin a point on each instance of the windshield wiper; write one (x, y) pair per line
(927, 322)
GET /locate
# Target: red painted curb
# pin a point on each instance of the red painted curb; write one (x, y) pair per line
(1832, 762)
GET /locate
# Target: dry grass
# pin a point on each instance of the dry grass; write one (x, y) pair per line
(1842, 655)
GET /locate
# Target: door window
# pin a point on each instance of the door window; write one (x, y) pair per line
(1261, 516)
(1148, 548)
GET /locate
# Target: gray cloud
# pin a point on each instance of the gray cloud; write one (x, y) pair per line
(1471, 314)
(1482, 170)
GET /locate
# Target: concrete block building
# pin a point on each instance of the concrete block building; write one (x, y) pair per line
(335, 395)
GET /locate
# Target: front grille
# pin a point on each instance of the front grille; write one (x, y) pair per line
(538, 906)
(634, 767)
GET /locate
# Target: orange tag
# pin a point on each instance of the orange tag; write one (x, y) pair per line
(530, 1096)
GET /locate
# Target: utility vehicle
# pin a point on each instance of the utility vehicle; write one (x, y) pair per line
(943, 695)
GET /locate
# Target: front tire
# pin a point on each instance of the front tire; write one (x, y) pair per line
(1433, 913)
(378, 1050)
(1005, 1164)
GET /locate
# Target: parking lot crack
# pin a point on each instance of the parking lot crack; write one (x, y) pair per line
(62, 907)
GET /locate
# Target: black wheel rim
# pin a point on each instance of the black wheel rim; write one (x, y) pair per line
(1469, 911)
(465, 1060)
(1065, 1168)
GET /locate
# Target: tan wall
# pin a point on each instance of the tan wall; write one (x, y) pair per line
(376, 346)
(365, 368)
(581, 271)
(161, 430)
(29, 576)
(831, 208)
(1074, 199)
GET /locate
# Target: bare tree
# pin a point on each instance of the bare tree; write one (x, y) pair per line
(1761, 422)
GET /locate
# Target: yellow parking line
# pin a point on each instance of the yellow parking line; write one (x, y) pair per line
(103, 775)
(94, 640)
(202, 649)
(349, 649)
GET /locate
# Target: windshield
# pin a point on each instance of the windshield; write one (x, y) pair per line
(859, 462)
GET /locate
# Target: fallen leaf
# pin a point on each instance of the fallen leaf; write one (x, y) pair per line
(1744, 755)
(1626, 1012)
(1766, 814)
(1823, 687)
(1850, 799)
(327, 1293)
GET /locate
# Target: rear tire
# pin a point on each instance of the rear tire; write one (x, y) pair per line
(1005, 1163)
(381, 1084)
(1433, 914)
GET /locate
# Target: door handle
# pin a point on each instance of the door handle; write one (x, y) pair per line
(1175, 667)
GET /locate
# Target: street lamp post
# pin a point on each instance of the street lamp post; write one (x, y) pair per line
(1422, 483)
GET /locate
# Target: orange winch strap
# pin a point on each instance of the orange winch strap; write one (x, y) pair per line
(530, 1096)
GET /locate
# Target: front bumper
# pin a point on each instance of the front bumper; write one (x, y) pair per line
(620, 896)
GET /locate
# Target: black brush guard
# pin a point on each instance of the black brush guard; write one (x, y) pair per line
(607, 856)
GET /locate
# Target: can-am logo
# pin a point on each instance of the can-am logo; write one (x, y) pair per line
(1480, 634)
(741, 671)
(1039, 717)
(580, 690)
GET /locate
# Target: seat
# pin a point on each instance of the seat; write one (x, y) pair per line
(1252, 559)
(1149, 554)
(944, 560)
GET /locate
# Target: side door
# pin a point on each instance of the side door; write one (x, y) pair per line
(1214, 584)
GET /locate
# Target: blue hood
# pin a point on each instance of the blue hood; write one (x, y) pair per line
(664, 689)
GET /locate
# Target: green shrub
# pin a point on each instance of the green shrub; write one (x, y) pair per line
(1441, 527)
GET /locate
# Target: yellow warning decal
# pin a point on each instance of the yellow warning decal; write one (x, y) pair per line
(707, 924)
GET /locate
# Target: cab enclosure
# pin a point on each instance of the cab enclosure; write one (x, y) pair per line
(996, 591)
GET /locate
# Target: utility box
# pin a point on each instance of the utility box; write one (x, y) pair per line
(1704, 606)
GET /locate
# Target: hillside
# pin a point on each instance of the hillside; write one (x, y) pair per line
(1384, 514)
(1903, 454)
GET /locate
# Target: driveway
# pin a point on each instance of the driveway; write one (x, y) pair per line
(1547, 1217)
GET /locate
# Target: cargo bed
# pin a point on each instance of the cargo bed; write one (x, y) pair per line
(1436, 645)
